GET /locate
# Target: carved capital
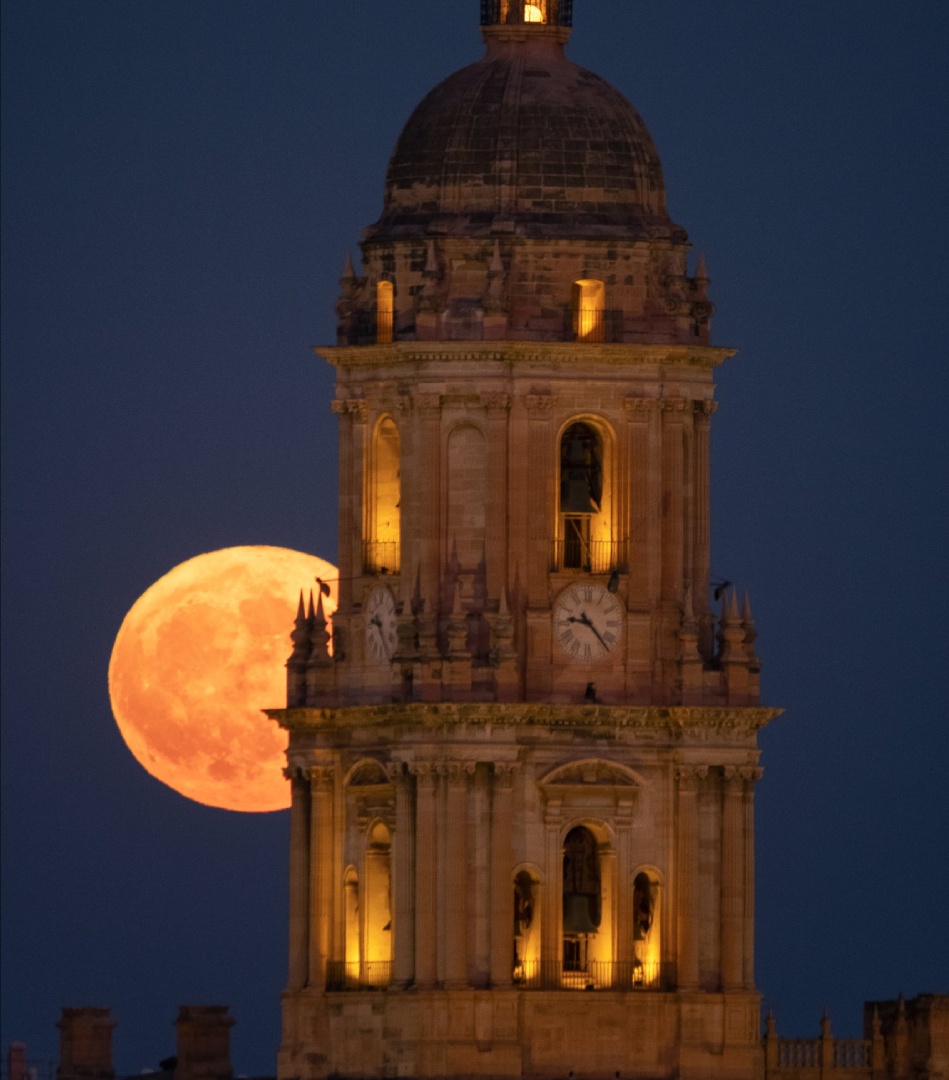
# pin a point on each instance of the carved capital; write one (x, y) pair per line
(405, 403)
(675, 406)
(496, 402)
(751, 773)
(358, 408)
(395, 770)
(424, 773)
(505, 772)
(705, 409)
(321, 777)
(428, 404)
(733, 779)
(539, 406)
(689, 777)
(640, 406)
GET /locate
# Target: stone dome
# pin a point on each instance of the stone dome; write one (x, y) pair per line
(526, 142)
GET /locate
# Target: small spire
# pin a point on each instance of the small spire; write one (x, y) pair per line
(301, 611)
(348, 272)
(431, 261)
(504, 611)
(309, 613)
(746, 610)
(701, 271)
(733, 615)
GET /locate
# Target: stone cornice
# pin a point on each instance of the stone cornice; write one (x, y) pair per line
(673, 719)
(525, 352)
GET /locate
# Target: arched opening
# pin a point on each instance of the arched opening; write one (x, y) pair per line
(582, 905)
(385, 312)
(585, 526)
(527, 930)
(517, 11)
(377, 924)
(647, 933)
(382, 553)
(589, 310)
(351, 913)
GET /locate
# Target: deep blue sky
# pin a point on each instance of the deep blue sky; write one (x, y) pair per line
(181, 184)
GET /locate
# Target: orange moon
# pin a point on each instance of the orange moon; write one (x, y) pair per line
(198, 656)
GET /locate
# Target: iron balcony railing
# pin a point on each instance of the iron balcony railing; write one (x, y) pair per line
(575, 552)
(371, 975)
(381, 556)
(616, 975)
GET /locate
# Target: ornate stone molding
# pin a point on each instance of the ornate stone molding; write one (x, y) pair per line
(539, 406)
(640, 406)
(676, 721)
(676, 406)
(690, 776)
(705, 409)
(525, 352)
(358, 408)
(751, 774)
(428, 404)
(496, 402)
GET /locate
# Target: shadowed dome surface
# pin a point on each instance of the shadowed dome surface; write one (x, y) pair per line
(524, 141)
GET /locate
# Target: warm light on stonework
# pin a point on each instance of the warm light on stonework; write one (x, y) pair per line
(532, 13)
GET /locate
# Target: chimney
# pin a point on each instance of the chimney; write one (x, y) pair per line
(85, 1044)
(204, 1043)
(16, 1061)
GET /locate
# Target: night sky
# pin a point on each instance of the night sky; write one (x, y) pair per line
(181, 184)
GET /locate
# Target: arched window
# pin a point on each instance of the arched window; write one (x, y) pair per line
(589, 310)
(519, 11)
(584, 525)
(582, 901)
(385, 312)
(377, 917)
(384, 497)
(527, 928)
(647, 910)
(352, 949)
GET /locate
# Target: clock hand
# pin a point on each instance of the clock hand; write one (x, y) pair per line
(585, 619)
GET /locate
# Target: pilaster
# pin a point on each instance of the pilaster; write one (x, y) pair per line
(689, 779)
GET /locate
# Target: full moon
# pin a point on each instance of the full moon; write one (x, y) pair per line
(198, 656)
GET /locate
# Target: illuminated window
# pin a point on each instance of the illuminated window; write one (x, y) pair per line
(647, 971)
(582, 900)
(516, 11)
(377, 927)
(589, 310)
(383, 500)
(385, 310)
(527, 895)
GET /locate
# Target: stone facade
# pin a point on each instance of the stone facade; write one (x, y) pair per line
(523, 758)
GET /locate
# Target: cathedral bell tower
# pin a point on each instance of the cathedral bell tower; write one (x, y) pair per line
(523, 757)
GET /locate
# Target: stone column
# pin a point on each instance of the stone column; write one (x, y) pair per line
(642, 507)
(321, 874)
(687, 875)
(540, 466)
(672, 503)
(552, 909)
(702, 536)
(498, 408)
(403, 877)
(426, 459)
(750, 777)
(455, 868)
(502, 885)
(733, 880)
(425, 881)
(299, 880)
(623, 951)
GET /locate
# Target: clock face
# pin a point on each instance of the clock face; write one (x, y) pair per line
(381, 624)
(588, 622)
